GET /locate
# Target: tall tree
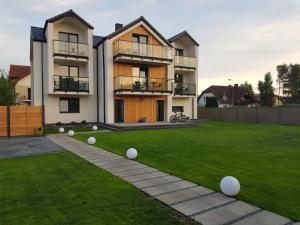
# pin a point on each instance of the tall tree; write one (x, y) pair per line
(7, 91)
(266, 90)
(248, 87)
(288, 77)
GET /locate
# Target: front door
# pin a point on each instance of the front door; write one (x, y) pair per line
(119, 111)
(160, 106)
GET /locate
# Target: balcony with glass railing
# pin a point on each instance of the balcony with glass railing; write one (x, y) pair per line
(184, 89)
(138, 51)
(185, 62)
(141, 84)
(73, 49)
(71, 84)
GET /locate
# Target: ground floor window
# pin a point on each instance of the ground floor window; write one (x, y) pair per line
(176, 109)
(69, 105)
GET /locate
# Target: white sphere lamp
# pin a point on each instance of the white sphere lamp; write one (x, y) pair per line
(230, 186)
(61, 130)
(131, 153)
(91, 140)
(94, 128)
(71, 133)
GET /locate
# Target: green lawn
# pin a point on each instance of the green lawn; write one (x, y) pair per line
(265, 158)
(64, 189)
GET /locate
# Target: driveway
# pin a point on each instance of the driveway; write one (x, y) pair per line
(25, 146)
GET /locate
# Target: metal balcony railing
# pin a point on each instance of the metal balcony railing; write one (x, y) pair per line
(141, 84)
(143, 50)
(184, 89)
(65, 48)
(74, 84)
(185, 61)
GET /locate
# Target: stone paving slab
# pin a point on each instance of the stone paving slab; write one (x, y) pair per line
(155, 181)
(264, 218)
(169, 187)
(201, 204)
(124, 174)
(144, 176)
(183, 195)
(226, 214)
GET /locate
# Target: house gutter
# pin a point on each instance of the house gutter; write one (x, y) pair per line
(43, 105)
(104, 85)
(97, 66)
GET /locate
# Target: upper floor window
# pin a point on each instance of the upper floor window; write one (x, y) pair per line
(68, 37)
(137, 38)
(140, 72)
(179, 52)
(178, 78)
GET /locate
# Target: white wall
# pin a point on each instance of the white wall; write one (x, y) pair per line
(187, 104)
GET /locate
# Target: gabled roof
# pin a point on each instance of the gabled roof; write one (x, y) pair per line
(115, 33)
(97, 40)
(37, 34)
(17, 72)
(224, 94)
(69, 13)
(175, 37)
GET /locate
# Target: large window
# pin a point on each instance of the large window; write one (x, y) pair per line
(176, 109)
(69, 71)
(179, 52)
(67, 37)
(69, 105)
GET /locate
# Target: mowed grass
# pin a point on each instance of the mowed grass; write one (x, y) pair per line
(264, 158)
(64, 189)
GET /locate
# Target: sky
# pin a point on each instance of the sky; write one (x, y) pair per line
(240, 40)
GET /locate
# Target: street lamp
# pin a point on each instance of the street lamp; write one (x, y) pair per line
(232, 99)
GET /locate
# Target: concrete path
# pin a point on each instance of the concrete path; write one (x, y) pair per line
(197, 202)
(25, 146)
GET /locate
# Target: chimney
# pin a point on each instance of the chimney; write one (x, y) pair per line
(118, 26)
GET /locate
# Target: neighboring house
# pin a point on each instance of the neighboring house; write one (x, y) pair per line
(130, 74)
(20, 75)
(226, 95)
(278, 100)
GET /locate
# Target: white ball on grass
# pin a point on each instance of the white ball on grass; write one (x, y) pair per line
(91, 140)
(95, 128)
(61, 130)
(131, 153)
(230, 186)
(71, 133)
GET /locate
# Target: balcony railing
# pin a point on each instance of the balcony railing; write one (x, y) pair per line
(184, 89)
(74, 84)
(185, 61)
(143, 50)
(65, 48)
(141, 84)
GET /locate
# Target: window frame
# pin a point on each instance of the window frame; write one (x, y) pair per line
(68, 100)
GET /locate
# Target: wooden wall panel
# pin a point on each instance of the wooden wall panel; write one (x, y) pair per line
(136, 107)
(3, 119)
(122, 69)
(140, 30)
(158, 71)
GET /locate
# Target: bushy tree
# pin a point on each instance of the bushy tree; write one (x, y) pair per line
(248, 87)
(288, 77)
(266, 90)
(211, 102)
(7, 91)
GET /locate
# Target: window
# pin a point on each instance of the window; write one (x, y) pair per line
(67, 37)
(140, 72)
(69, 71)
(176, 109)
(140, 39)
(179, 78)
(69, 105)
(179, 52)
(29, 93)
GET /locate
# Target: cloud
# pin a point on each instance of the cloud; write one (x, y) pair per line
(37, 5)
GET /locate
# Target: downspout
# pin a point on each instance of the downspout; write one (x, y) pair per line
(104, 85)
(97, 66)
(42, 66)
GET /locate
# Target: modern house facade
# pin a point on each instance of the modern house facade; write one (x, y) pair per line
(133, 74)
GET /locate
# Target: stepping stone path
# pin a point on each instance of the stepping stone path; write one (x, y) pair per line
(199, 203)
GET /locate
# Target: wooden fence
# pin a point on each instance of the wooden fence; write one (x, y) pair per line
(20, 120)
(270, 115)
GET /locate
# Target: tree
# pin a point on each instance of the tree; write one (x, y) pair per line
(266, 90)
(288, 77)
(211, 102)
(248, 87)
(7, 91)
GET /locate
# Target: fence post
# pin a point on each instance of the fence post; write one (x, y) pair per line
(8, 121)
(206, 113)
(237, 114)
(279, 115)
(256, 115)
